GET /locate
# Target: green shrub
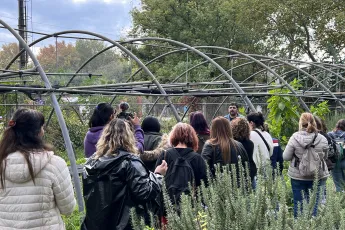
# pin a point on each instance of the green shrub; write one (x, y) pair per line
(227, 204)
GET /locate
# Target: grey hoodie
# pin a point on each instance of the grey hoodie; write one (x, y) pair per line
(296, 146)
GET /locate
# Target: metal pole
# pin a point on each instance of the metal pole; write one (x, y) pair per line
(22, 28)
(59, 115)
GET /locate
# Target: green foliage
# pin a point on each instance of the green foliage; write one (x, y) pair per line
(72, 222)
(76, 128)
(284, 112)
(226, 203)
(321, 110)
(332, 119)
(167, 124)
(195, 22)
(242, 110)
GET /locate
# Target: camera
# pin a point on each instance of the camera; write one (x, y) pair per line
(124, 106)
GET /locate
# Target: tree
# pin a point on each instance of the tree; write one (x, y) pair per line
(60, 57)
(7, 52)
(87, 48)
(195, 22)
(294, 28)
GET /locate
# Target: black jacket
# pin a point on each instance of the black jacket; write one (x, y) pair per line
(213, 155)
(196, 162)
(249, 147)
(112, 185)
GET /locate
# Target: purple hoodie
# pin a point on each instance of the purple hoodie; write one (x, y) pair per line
(94, 133)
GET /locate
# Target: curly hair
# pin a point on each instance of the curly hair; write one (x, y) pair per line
(185, 134)
(116, 135)
(240, 129)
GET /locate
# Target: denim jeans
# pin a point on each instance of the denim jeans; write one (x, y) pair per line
(338, 176)
(300, 187)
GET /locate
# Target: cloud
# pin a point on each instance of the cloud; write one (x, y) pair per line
(106, 17)
(102, 1)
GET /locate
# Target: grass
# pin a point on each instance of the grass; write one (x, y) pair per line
(73, 221)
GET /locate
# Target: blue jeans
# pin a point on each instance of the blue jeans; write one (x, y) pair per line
(338, 176)
(300, 187)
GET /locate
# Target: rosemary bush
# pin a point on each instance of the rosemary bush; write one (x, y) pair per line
(229, 203)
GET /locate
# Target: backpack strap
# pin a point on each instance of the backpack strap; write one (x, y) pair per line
(201, 138)
(311, 144)
(267, 146)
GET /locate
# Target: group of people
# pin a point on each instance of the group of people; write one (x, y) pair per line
(128, 159)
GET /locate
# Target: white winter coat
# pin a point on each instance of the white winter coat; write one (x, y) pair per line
(36, 206)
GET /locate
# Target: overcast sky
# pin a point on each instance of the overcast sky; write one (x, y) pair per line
(110, 18)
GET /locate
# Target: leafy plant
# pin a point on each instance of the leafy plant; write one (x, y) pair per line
(284, 112)
(321, 110)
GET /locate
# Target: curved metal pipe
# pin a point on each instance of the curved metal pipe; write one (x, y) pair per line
(75, 74)
(263, 65)
(59, 115)
(135, 58)
(308, 75)
(237, 87)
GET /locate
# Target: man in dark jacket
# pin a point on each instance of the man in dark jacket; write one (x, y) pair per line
(112, 185)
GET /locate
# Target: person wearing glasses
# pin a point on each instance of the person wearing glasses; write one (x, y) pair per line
(233, 112)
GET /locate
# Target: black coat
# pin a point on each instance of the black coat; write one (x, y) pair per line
(151, 141)
(112, 185)
(249, 147)
(213, 155)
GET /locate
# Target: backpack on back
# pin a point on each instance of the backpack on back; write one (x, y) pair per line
(180, 175)
(311, 162)
(335, 148)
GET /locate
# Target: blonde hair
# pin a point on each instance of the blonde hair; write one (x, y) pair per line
(307, 123)
(116, 135)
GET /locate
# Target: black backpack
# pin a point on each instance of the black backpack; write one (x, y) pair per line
(336, 152)
(180, 175)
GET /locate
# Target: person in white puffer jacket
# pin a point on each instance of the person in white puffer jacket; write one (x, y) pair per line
(35, 185)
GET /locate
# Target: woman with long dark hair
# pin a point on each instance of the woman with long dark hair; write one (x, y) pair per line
(222, 148)
(102, 115)
(35, 184)
(116, 180)
(199, 123)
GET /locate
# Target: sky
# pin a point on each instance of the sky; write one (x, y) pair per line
(110, 18)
